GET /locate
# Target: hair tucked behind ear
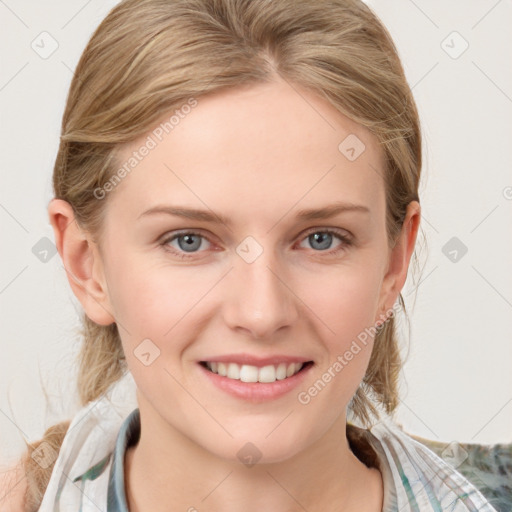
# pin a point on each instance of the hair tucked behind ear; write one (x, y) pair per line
(149, 57)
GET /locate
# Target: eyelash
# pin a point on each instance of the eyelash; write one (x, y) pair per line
(347, 242)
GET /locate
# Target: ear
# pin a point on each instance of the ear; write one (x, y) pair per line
(399, 258)
(82, 262)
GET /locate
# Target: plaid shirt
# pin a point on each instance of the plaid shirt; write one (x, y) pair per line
(89, 475)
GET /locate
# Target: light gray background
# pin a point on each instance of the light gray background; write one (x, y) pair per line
(457, 381)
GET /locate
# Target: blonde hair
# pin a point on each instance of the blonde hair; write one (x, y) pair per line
(149, 57)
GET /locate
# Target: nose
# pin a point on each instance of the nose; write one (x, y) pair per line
(259, 299)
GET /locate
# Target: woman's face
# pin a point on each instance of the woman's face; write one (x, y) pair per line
(287, 276)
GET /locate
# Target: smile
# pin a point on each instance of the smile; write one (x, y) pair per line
(249, 373)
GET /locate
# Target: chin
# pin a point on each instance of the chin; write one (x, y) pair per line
(253, 449)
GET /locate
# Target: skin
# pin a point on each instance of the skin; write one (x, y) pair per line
(256, 155)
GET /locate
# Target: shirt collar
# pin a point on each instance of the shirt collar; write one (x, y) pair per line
(129, 434)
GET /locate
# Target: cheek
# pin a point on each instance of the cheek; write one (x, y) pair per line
(150, 300)
(344, 304)
(345, 301)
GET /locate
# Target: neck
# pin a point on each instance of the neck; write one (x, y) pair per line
(325, 477)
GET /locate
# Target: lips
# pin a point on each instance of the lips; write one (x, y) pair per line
(251, 369)
(259, 382)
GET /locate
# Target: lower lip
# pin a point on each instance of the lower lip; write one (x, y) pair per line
(256, 391)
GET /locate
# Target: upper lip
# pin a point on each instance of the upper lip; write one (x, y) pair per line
(251, 360)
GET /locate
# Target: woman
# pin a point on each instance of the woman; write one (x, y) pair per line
(236, 206)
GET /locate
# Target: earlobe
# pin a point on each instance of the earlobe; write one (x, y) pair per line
(81, 261)
(400, 257)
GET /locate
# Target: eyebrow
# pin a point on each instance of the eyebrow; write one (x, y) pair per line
(209, 216)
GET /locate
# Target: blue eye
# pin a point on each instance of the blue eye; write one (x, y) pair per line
(324, 240)
(190, 242)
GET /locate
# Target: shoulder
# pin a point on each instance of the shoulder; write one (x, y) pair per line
(13, 486)
(487, 466)
(421, 476)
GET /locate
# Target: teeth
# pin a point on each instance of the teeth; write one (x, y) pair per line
(248, 373)
(221, 369)
(281, 371)
(233, 371)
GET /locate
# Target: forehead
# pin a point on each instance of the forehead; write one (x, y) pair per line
(261, 148)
